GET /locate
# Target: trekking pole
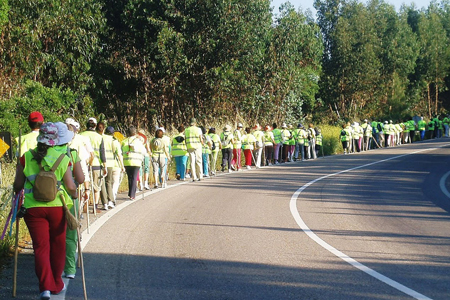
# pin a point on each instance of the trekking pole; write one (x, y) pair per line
(254, 161)
(92, 192)
(80, 260)
(16, 245)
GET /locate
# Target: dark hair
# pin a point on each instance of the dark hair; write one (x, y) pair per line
(100, 127)
(274, 125)
(203, 129)
(41, 152)
(159, 133)
(212, 130)
(34, 125)
(180, 128)
(248, 129)
(131, 130)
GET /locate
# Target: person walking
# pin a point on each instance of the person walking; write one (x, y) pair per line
(421, 126)
(45, 220)
(259, 146)
(133, 154)
(248, 144)
(345, 137)
(237, 148)
(367, 135)
(285, 137)
(29, 141)
(206, 151)
(98, 163)
(194, 144)
(269, 143)
(312, 140)
(82, 144)
(226, 141)
(278, 143)
(215, 139)
(179, 153)
(116, 168)
(160, 158)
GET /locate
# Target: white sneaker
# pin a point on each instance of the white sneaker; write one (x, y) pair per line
(249, 168)
(111, 204)
(188, 176)
(164, 185)
(105, 207)
(230, 171)
(45, 295)
(147, 187)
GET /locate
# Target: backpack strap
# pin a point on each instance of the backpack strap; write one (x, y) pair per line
(56, 164)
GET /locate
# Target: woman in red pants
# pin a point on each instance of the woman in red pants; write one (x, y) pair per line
(45, 220)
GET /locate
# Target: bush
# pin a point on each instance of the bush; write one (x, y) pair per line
(331, 139)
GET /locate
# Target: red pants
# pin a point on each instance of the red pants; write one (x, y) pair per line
(47, 227)
(248, 157)
(236, 158)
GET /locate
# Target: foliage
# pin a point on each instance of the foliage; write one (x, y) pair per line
(55, 104)
(331, 139)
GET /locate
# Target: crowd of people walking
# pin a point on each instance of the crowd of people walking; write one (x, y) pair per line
(378, 134)
(89, 167)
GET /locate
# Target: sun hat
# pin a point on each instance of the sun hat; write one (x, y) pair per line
(48, 134)
(72, 122)
(35, 116)
(240, 125)
(283, 125)
(64, 134)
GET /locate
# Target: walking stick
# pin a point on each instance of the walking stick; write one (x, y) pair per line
(92, 192)
(80, 257)
(16, 245)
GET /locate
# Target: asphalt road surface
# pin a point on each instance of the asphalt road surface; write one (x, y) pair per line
(373, 225)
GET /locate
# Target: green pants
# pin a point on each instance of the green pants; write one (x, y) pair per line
(70, 267)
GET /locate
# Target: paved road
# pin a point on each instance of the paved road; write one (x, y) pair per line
(235, 237)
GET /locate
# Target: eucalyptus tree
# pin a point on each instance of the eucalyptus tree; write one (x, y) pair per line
(52, 41)
(294, 61)
(434, 59)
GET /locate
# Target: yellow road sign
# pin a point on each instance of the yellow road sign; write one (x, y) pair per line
(3, 147)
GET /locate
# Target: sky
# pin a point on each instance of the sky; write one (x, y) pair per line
(304, 4)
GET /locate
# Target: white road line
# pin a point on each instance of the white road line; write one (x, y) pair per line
(442, 185)
(295, 213)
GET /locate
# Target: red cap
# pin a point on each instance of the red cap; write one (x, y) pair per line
(35, 116)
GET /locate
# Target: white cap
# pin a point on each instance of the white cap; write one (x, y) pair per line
(94, 120)
(283, 125)
(240, 125)
(70, 121)
(162, 129)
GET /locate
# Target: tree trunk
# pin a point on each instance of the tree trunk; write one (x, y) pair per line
(429, 100)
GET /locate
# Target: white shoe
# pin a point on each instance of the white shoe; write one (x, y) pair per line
(230, 171)
(111, 204)
(70, 276)
(188, 176)
(206, 175)
(164, 185)
(147, 187)
(105, 207)
(249, 168)
(45, 295)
